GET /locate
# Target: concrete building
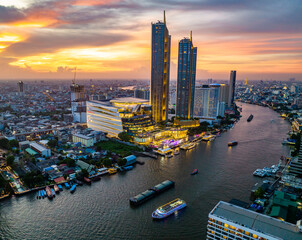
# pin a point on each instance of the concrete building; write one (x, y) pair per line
(142, 93)
(78, 103)
(186, 75)
(45, 152)
(132, 115)
(20, 87)
(232, 88)
(160, 70)
(228, 221)
(296, 166)
(87, 141)
(206, 102)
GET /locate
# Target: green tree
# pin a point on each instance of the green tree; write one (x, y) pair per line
(125, 137)
(84, 173)
(13, 143)
(259, 193)
(52, 143)
(10, 160)
(4, 143)
(107, 162)
(121, 162)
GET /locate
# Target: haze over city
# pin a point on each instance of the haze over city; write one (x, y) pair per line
(111, 39)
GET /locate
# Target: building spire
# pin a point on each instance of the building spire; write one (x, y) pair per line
(191, 36)
(164, 17)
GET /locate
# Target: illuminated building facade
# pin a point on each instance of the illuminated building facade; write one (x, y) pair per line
(232, 88)
(206, 102)
(78, 103)
(228, 221)
(186, 76)
(160, 71)
(132, 115)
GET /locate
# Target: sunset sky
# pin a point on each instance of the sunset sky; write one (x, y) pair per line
(111, 39)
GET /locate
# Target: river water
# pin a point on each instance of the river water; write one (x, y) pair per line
(102, 210)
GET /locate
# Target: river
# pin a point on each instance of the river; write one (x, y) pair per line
(102, 210)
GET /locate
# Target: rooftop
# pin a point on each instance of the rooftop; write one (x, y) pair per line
(256, 221)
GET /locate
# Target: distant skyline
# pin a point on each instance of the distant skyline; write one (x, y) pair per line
(111, 39)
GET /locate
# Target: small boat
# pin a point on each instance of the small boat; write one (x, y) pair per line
(60, 187)
(168, 209)
(250, 118)
(49, 192)
(73, 188)
(87, 180)
(233, 143)
(79, 182)
(195, 171)
(39, 195)
(56, 188)
(44, 193)
(128, 168)
(112, 170)
(53, 192)
(67, 185)
(96, 178)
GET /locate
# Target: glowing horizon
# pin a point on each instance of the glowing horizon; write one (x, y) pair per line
(111, 38)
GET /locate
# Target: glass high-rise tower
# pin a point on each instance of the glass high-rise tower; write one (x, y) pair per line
(160, 70)
(232, 88)
(186, 75)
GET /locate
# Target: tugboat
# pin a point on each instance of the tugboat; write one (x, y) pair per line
(168, 209)
(233, 143)
(250, 118)
(195, 171)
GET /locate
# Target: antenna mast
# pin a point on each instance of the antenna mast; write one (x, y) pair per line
(74, 77)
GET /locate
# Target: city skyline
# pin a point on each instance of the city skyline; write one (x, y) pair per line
(49, 39)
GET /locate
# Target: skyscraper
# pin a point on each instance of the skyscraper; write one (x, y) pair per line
(20, 87)
(296, 164)
(232, 88)
(206, 102)
(160, 70)
(186, 76)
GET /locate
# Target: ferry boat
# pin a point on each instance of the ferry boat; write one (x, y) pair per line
(112, 170)
(67, 185)
(169, 208)
(250, 118)
(233, 143)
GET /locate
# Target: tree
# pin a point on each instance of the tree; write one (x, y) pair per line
(125, 137)
(107, 162)
(84, 173)
(259, 193)
(10, 160)
(52, 143)
(4, 143)
(13, 143)
(121, 162)
(70, 162)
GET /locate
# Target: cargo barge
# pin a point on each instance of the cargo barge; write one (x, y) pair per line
(152, 192)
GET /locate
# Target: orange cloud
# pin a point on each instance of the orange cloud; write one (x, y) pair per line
(94, 2)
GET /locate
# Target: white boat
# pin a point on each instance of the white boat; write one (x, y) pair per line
(188, 146)
(169, 208)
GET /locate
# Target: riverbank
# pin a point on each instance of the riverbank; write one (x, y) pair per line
(224, 173)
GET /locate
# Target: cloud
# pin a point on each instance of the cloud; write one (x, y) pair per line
(49, 41)
(10, 14)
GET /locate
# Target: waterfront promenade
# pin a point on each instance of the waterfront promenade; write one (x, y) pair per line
(102, 210)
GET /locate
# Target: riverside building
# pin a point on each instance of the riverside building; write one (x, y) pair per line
(186, 75)
(228, 221)
(160, 70)
(232, 89)
(132, 115)
(206, 102)
(78, 103)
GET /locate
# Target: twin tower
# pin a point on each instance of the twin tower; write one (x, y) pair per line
(160, 74)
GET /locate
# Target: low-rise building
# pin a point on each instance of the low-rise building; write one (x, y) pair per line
(228, 221)
(40, 149)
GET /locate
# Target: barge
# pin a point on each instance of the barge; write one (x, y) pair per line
(152, 192)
